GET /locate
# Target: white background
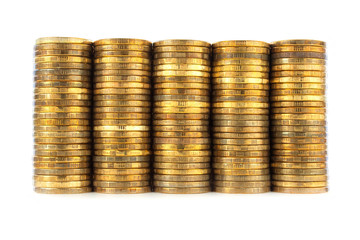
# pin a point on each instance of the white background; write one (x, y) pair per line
(24, 214)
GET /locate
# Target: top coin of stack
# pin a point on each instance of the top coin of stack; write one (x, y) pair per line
(62, 115)
(240, 116)
(122, 115)
(181, 116)
(298, 116)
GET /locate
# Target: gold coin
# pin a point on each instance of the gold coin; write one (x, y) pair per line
(51, 140)
(124, 41)
(298, 171)
(61, 115)
(298, 104)
(298, 122)
(298, 140)
(122, 184)
(300, 129)
(197, 61)
(122, 178)
(122, 140)
(203, 86)
(300, 178)
(299, 116)
(320, 86)
(124, 109)
(60, 159)
(300, 153)
(61, 165)
(298, 91)
(56, 121)
(55, 84)
(205, 56)
(312, 190)
(240, 165)
(61, 65)
(121, 53)
(244, 160)
(121, 171)
(61, 78)
(124, 159)
(181, 48)
(118, 134)
(122, 146)
(319, 55)
(118, 97)
(183, 153)
(241, 61)
(145, 116)
(186, 67)
(227, 89)
(63, 52)
(122, 128)
(181, 110)
(297, 48)
(68, 178)
(182, 116)
(245, 123)
(120, 165)
(299, 42)
(240, 74)
(241, 154)
(299, 110)
(125, 91)
(181, 134)
(52, 96)
(181, 98)
(318, 98)
(240, 68)
(303, 61)
(242, 178)
(179, 184)
(122, 72)
(181, 79)
(240, 98)
(121, 60)
(241, 49)
(222, 56)
(182, 91)
(299, 184)
(298, 165)
(75, 171)
(62, 40)
(79, 103)
(72, 184)
(118, 153)
(298, 159)
(110, 103)
(241, 43)
(174, 159)
(263, 111)
(241, 171)
(300, 135)
(186, 190)
(250, 190)
(171, 73)
(182, 178)
(157, 140)
(241, 141)
(240, 135)
(179, 104)
(178, 147)
(240, 81)
(63, 46)
(64, 153)
(62, 59)
(63, 190)
(62, 128)
(298, 74)
(122, 66)
(124, 190)
(128, 47)
(235, 184)
(241, 105)
(241, 148)
(181, 42)
(246, 117)
(62, 90)
(181, 165)
(61, 109)
(241, 129)
(298, 68)
(180, 128)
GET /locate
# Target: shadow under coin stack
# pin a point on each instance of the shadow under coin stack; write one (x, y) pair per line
(298, 117)
(122, 116)
(181, 116)
(240, 117)
(62, 115)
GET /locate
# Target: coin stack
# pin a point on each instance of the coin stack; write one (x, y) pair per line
(62, 115)
(298, 116)
(240, 116)
(122, 115)
(181, 116)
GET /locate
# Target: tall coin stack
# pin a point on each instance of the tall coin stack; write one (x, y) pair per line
(298, 117)
(62, 115)
(240, 116)
(122, 94)
(181, 116)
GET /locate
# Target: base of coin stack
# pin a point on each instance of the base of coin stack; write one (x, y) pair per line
(240, 108)
(122, 116)
(181, 117)
(298, 121)
(62, 115)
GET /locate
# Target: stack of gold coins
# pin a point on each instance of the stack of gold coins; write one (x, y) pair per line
(181, 116)
(240, 116)
(298, 116)
(62, 115)
(122, 116)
